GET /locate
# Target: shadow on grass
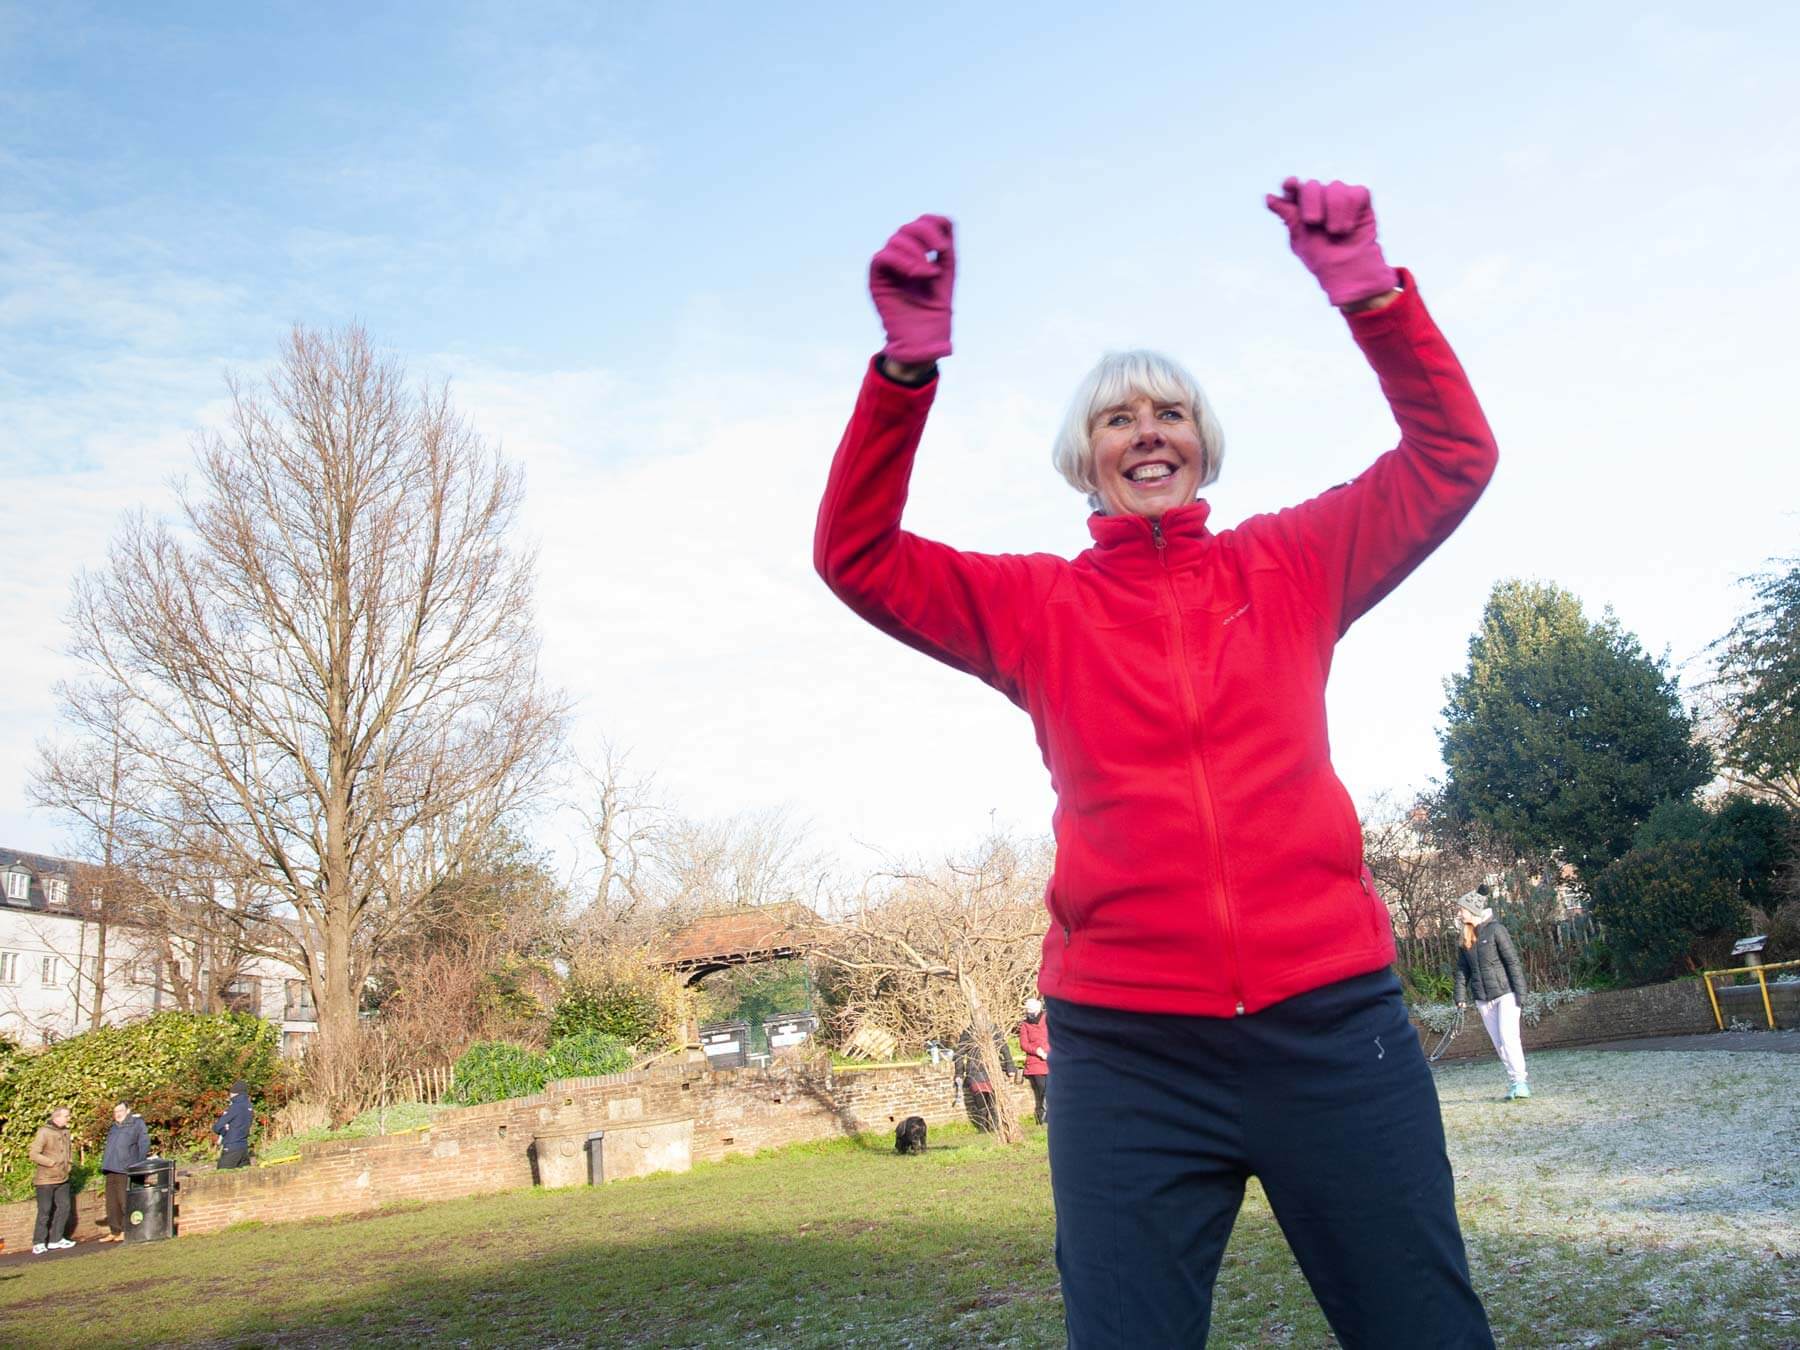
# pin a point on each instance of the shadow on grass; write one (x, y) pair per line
(809, 1283)
(875, 1280)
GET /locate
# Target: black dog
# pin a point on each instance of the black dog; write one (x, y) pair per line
(909, 1135)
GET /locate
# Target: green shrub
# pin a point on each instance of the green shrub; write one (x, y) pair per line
(1594, 969)
(492, 1071)
(175, 1068)
(624, 992)
(1426, 984)
(633, 1015)
(1669, 909)
(588, 1053)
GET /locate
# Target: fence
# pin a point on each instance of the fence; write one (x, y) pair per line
(1555, 953)
(429, 1086)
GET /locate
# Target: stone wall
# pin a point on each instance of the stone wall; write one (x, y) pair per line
(1678, 1008)
(479, 1149)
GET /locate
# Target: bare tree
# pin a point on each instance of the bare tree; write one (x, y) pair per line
(652, 869)
(624, 826)
(205, 922)
(971, 927)
(476, 962)
(92, 784)
(328, 665)
(756, 858)
(1417, 874)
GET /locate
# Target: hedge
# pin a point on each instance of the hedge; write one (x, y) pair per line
(492, 1071)
(176, 1069)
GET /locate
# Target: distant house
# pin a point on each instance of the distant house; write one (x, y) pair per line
(49, 946)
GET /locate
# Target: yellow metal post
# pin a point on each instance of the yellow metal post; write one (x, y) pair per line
(1712, 998)
(1762, 978)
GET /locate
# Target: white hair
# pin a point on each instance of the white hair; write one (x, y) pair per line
(1118, 378)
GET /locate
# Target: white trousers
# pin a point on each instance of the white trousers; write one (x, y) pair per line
(1501, 1018)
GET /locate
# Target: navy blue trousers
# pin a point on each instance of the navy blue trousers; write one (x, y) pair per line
(1156, 1121)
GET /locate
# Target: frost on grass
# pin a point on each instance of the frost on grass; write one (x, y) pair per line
(1645, 1190)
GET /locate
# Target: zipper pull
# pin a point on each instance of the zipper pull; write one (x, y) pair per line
(1240, 1010)
(1156, 534)
(1066, 938)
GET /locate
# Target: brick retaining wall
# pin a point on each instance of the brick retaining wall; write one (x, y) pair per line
(479, 1149)
(474, 1150)
(1677, 1008)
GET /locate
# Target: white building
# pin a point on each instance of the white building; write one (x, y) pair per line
(49, 944)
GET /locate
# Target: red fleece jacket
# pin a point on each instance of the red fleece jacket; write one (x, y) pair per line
(1033, 1037)
(1208, 860)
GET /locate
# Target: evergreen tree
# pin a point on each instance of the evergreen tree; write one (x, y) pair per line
(1562, 734)
(1758, 689)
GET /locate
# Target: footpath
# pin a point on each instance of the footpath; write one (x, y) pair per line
(1764, 1042)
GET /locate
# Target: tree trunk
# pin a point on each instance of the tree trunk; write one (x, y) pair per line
(1006, 1123)
(94, 1017)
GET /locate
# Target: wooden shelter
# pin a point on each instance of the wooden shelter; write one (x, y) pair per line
(737, 937)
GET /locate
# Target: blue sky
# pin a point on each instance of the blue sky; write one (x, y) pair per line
(635, 239)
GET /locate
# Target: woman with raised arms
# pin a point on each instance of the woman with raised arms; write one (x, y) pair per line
(1217, 963)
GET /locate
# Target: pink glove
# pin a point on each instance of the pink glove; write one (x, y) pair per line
(1332, 228)
(912, 291)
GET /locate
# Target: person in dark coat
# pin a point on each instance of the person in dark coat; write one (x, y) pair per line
(233, 1128)
(978, 1087)
(1488, 970)
(1034, 1044)
(127, 1146)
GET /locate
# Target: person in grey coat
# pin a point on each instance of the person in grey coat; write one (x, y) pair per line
(127, 1146)
(1489, 971)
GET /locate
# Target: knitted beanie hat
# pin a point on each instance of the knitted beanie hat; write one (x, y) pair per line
(1472, 907)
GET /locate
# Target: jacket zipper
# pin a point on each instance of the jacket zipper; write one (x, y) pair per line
(1209, 814)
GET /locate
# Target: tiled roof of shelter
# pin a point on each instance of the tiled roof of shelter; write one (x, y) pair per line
(737, 933)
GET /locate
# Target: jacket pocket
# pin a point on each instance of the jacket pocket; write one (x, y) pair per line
(1061, 920)
(1381, 923)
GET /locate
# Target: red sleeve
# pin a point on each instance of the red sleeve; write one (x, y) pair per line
(1358, 541)
(969, 610)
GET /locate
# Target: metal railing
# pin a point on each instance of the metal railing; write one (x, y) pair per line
(1761, 973)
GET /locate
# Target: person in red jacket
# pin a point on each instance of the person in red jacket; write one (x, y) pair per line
(1034, 1044)
(1217, 962)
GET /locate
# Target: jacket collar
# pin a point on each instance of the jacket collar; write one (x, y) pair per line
(1113, 534)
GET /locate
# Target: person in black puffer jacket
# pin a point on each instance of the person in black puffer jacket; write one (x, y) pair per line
(1488, 970)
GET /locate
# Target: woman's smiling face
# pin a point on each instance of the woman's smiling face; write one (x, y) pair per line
(1147, 457)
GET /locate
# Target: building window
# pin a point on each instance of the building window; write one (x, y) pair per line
(18, 883)
(48, 971)
(56, 891)
(299, 1003)
(244, 994)
(9, 967)
(143, 973)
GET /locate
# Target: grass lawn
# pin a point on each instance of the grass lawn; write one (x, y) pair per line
(1640, 1199)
